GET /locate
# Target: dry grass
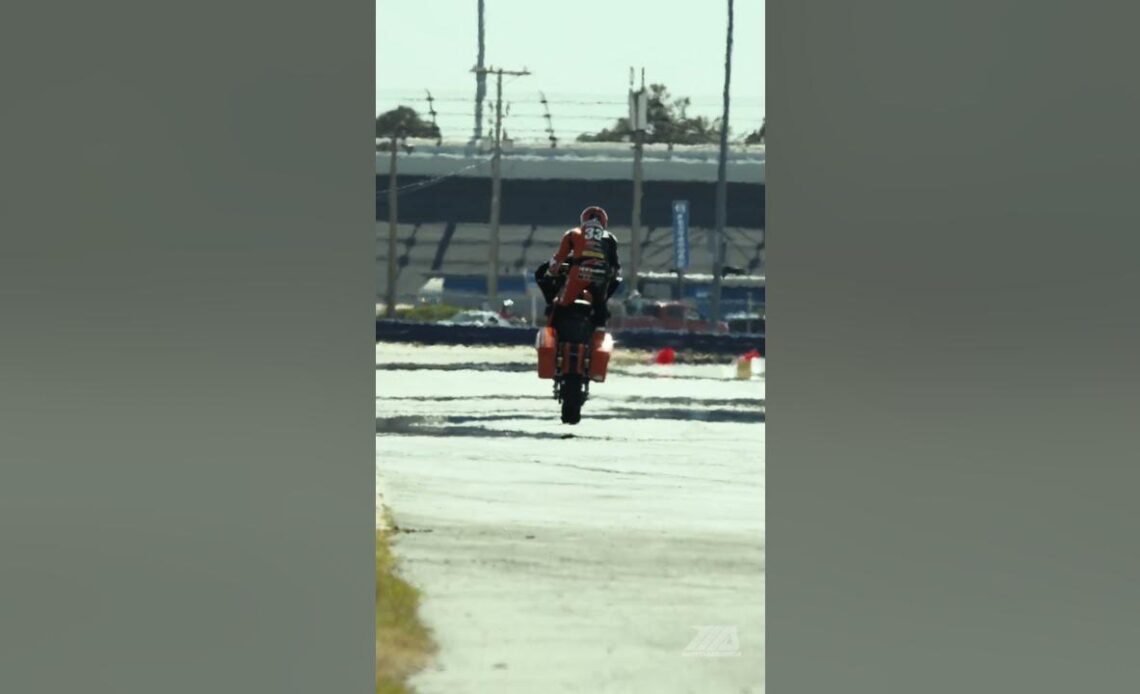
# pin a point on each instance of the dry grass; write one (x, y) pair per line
(403, 644)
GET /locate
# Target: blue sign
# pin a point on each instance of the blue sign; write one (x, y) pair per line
(681, 234)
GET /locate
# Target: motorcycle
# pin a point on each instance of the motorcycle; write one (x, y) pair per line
(572, 353)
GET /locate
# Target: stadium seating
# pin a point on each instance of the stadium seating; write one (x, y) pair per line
(424, 248)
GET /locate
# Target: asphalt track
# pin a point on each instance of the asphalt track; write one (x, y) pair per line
(586, 563)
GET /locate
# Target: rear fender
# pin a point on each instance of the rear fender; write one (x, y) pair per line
(572, 359)
(602, 348)
(546, 342)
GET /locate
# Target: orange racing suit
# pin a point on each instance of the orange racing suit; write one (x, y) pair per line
(592, 252)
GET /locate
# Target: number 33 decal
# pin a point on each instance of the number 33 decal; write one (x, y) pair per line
(594, 234)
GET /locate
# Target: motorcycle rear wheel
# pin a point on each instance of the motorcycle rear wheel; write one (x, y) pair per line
(571, 399)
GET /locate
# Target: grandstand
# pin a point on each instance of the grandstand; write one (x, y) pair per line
(445, 193)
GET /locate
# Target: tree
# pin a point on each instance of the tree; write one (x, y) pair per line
(403, 121)
(756, 136)
(668, 122)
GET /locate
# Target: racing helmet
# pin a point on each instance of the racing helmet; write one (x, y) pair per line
(595, 213)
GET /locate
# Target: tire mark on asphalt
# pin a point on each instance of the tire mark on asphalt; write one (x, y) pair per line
(413, 426)
(530, 367)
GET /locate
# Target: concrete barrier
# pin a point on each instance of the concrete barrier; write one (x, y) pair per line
(436, 334)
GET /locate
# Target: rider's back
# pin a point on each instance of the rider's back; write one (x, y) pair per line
(589, 246)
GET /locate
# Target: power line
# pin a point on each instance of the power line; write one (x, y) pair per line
(454, 95)
(453, 114)
(434, 180)
(739, 101)
(552, 102)
(554, 97)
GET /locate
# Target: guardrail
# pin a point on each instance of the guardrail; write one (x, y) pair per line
(436, 334)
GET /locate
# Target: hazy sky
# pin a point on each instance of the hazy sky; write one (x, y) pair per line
(576, 51)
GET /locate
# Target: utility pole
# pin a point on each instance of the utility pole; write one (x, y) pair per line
(392, 199)
(638, 121)
(480, 81)
(549, 123)
(496, 181)
(721, 183)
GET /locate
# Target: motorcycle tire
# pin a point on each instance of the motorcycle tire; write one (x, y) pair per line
(571, 399)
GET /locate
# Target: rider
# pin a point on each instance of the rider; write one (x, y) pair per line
(594, 265)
